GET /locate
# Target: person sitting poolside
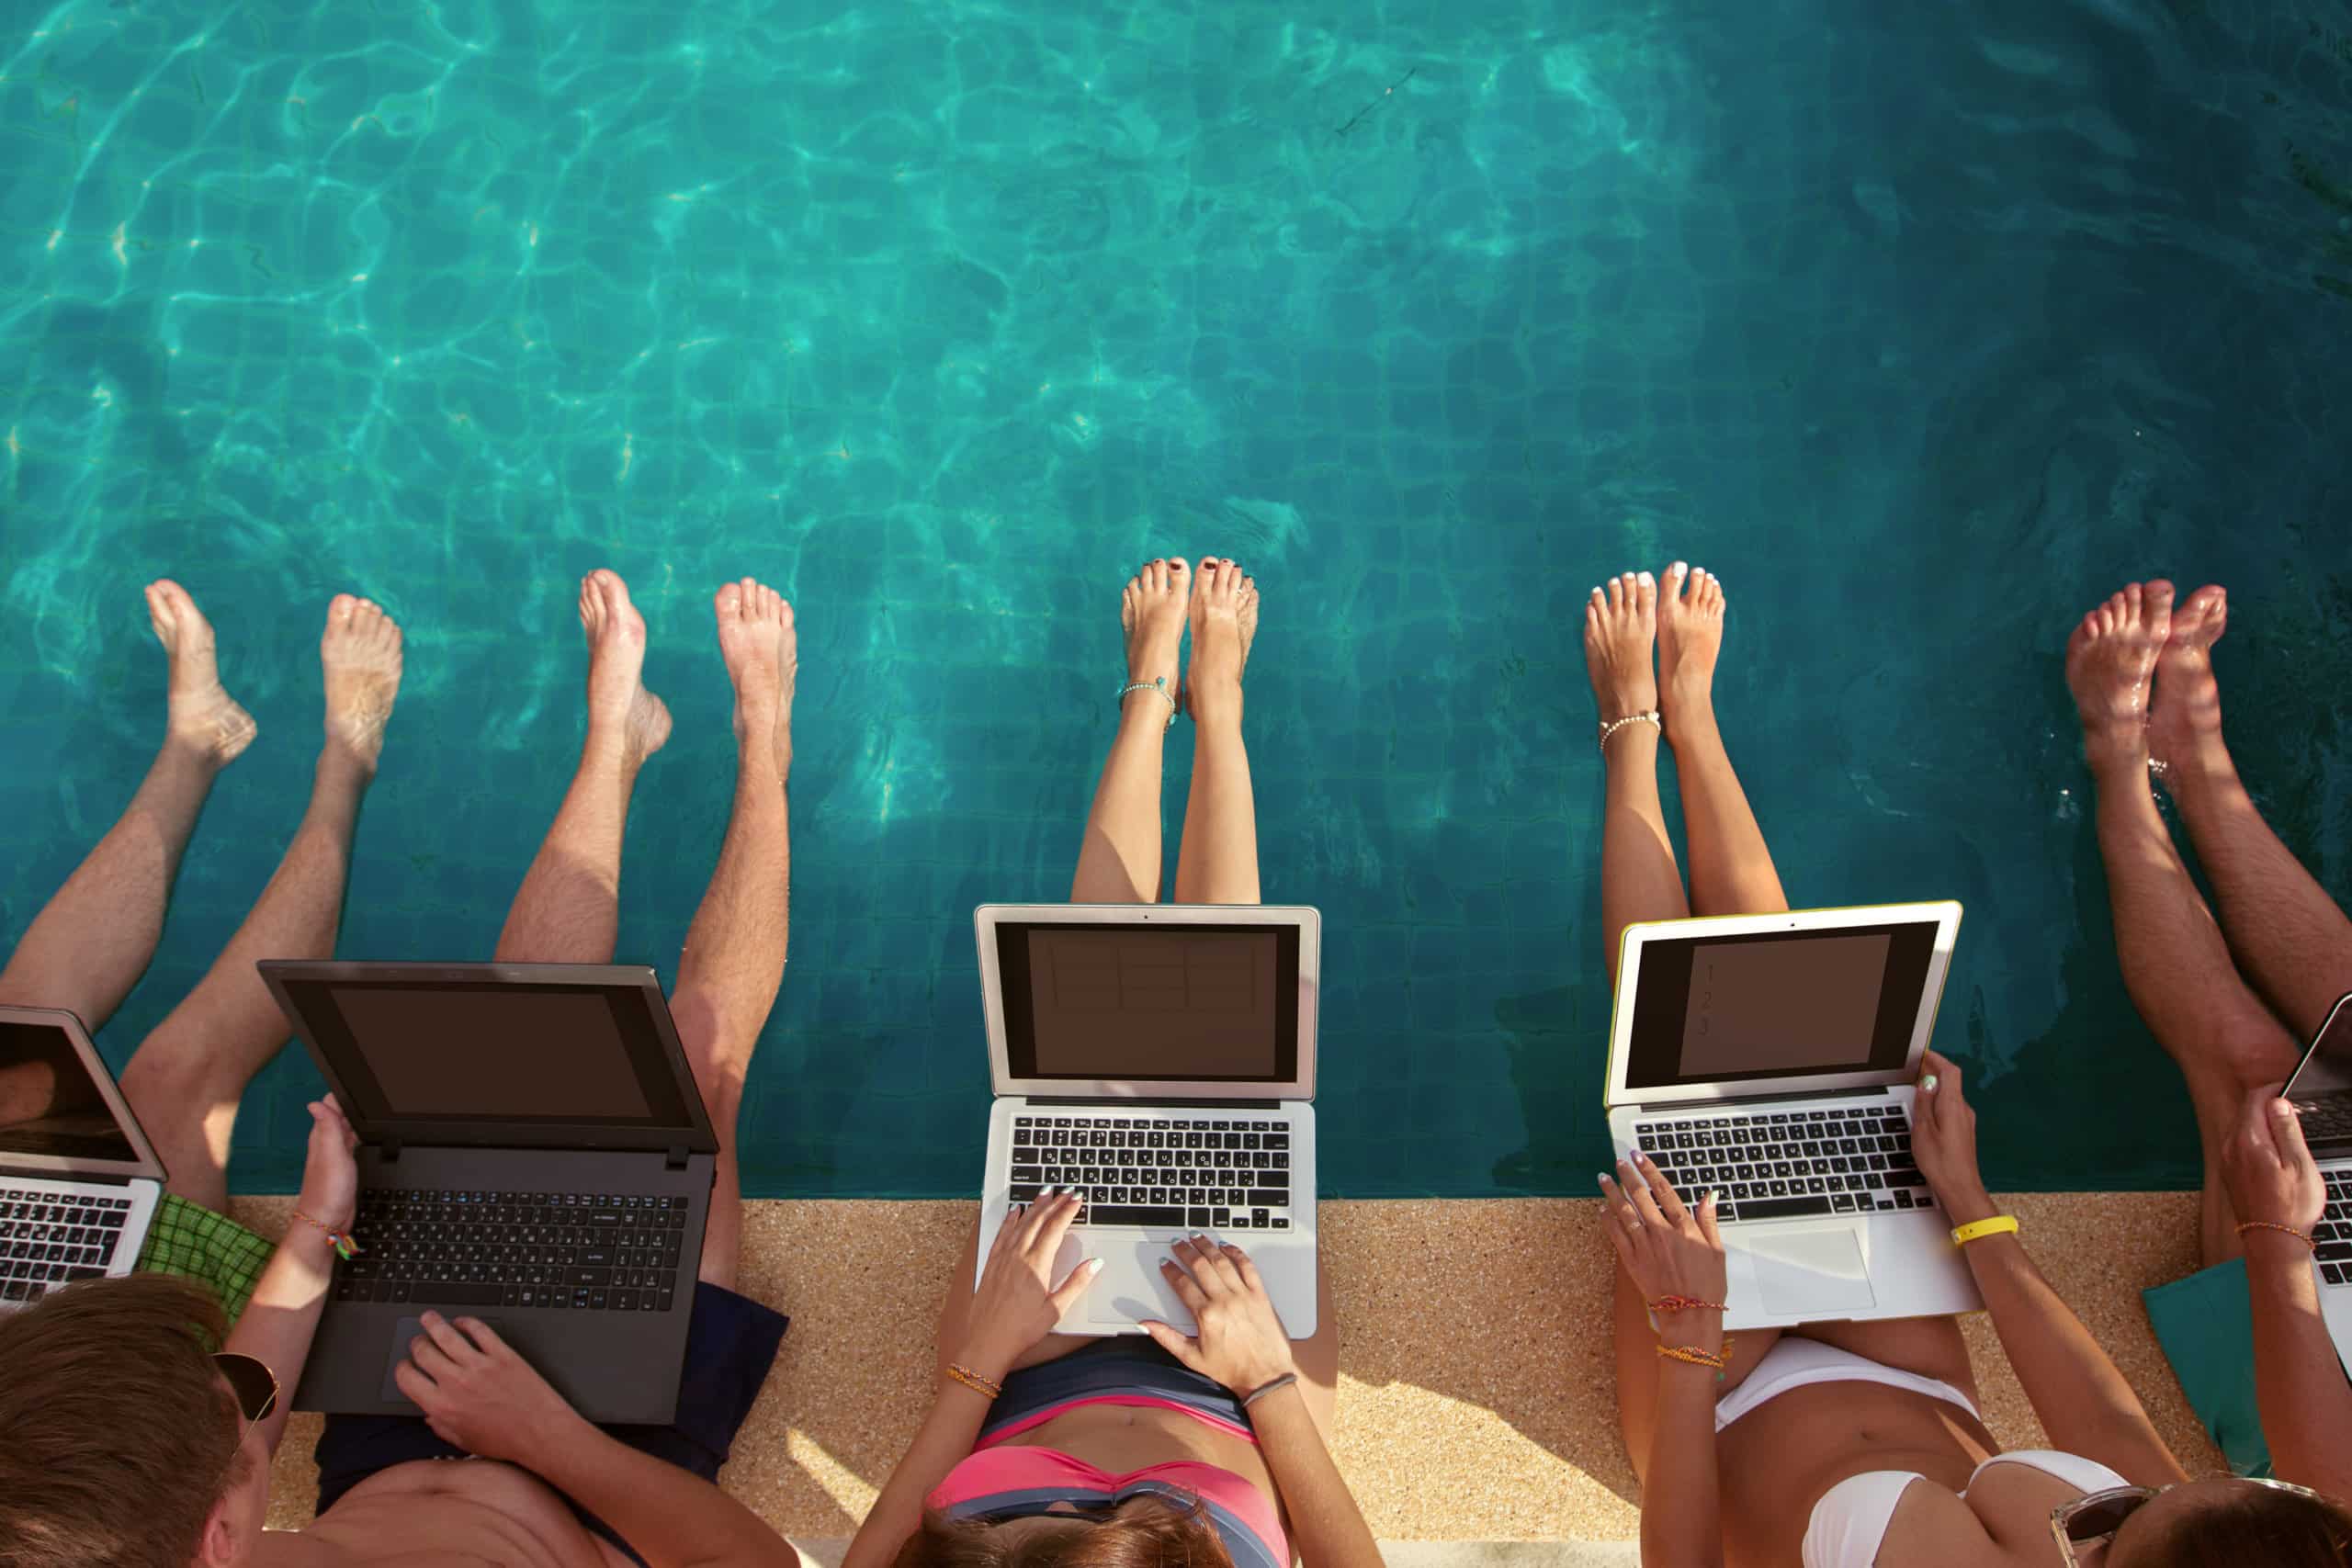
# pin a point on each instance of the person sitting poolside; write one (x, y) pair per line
(128, 1443)
(1841, 1445)
(2227, 1000)
(1206, 1450)
(95, 936)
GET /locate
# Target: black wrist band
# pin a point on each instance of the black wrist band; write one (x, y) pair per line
(1264, 1389)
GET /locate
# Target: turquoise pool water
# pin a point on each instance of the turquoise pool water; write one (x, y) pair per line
(1922, 326)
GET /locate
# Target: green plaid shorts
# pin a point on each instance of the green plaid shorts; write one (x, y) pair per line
(190, 1240)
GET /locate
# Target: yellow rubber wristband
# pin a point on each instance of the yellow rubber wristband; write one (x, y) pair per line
(1996, 1225)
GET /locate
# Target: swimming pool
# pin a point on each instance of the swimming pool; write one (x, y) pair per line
(1921, 326)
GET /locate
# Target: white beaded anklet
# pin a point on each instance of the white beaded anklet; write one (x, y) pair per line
(1157, 684)
(1614, 724)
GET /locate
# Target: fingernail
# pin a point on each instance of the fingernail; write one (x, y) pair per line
(1714, 1196)
(1094, 1265)
(1927, 1084)
(1602, 1179)
(1635, 1155)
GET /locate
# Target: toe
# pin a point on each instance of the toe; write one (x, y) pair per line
(728, 602)
(341, 607)
(1645, 594)
(1177, 571)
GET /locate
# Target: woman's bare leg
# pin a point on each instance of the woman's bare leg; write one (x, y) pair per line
(1118, 862)
(1639, 880)
(187, 1078)
(93, 938)
(2291, 939)
(2176, 965)
(1731, 870)
(734, 964)
(567, 909)
(1217, 861)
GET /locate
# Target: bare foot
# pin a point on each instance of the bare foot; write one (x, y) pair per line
(762, 647)
(1224, 620)
(619, 707)
(360, 652)
(2185, 714)
(201, 714)
(2108, 660)
(1151, 614)
(1619, 624)
(1689, 638)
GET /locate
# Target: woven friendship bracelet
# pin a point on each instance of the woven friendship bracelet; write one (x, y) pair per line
(1714, 1362)
(987, 1388)
(2245, 1225)
(345, 1247)
(1686, 1303)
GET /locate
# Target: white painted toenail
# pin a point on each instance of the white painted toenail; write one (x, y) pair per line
(1645, 579)
(1677, 570)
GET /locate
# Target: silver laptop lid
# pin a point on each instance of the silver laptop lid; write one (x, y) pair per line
(497, 1055)
(1150, 1001)
(60, 1114)
(1748, 1006)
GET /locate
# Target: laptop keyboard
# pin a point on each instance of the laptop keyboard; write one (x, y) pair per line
(578, 1251)
(1170, 1172)
(51, 1238)
(2332, 1239)
(1787, 1164)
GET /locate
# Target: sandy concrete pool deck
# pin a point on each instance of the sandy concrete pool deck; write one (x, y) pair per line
(1477, 1394)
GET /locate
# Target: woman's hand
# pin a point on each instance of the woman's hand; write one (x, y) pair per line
(330, 1174)
(1668, 1247)
(1017, 1303)
(1943, 1140)
(2271, 1175)
(1239, 1339)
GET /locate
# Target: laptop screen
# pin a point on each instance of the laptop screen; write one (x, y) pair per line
(578, 1054)
(2322, 1082)
(50, 1105)
(1774, 1004)
(1143, 1004)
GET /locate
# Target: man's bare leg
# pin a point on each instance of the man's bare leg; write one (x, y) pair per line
(567, 909)
(2175, 964)
(1118, 861)
(1731, 869)
(733, 962)
(2291, 939)
(1216, 862)
(93, 939)
(187, 1076)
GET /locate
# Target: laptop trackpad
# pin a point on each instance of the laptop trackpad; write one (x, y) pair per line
(406, 1332)
(1816, 1271)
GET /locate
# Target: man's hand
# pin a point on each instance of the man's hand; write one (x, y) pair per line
(330, 1174)
(2271, 1175)
(477, 1393)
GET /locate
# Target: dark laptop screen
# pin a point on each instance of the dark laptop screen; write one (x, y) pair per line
(48, 1105)
(430, 1051)
(1774, 1004)
(1150, 1003)
(2321, 1086)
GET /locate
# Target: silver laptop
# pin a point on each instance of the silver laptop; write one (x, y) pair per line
(1159, 1059)
(79, 1183)
(1772, 1058)
(2322, 1091)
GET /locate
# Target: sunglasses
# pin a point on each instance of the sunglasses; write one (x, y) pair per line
(2092, 1519)
(252, 1384)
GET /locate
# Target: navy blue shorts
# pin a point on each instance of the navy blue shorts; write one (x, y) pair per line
(731, 1344)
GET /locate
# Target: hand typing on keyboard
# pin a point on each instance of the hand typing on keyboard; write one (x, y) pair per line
(1018, 1300)
(1943, 1140)
(2273, 1180)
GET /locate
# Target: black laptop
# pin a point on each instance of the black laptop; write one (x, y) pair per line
(532, 1153)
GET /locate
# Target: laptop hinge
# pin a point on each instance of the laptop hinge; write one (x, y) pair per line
(677, 1157)
(1154, 1103)
(1699, 1107)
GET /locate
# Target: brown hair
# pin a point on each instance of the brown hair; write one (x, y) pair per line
(121, 1438)
(1144, 1532)
(2255, 1524)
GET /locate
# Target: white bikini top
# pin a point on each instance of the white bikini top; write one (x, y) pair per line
(1849, 1522)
